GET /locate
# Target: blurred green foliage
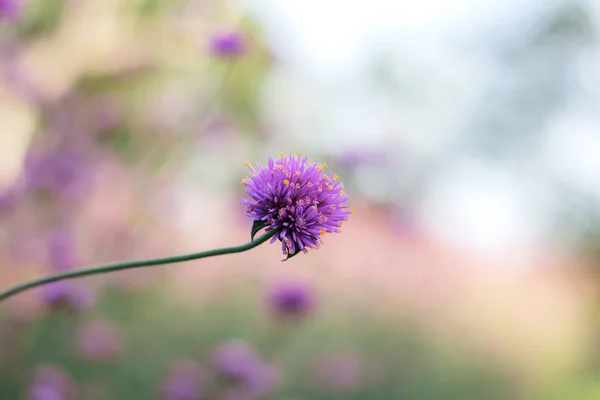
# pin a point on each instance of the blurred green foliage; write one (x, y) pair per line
(397, 361)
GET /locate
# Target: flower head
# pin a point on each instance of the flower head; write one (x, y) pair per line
(9, 9)
(51, 383)
(239, 364)
(228, 44)
(291, 298)
(66, 295)
(60, 172)
(62, 252)
(296, 198)
(233, 359)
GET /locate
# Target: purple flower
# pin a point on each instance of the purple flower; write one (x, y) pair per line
(291, 298)
(66, 295)
(296, 198)
(98, 341)
(10, 197)
(61, 172)
(9, 9)
(233, 359)
(50, 383)
(62, 252)
(237, 362)
(227, 44)
(260, 379)
(183, 382)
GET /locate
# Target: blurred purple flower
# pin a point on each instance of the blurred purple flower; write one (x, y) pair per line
(261, 379)
(234, 359)
(10, 197)
(66, 295)
(51, 383)
(295, 197)
(9, 9)
(62, 172)
(99, 341)
(183, 382)
(237, 362)
(227, 44)
(289, 298)
(62, 252)
(339, 372)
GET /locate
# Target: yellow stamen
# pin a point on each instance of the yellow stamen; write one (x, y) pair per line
(336, 177)
(248, 163)
(243, 182)
(322, 232)
(329, 187)
(281, 155)
(286, 182)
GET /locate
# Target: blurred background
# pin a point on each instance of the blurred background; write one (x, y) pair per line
(467, 134)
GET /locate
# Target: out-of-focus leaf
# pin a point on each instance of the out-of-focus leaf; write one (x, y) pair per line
(257, 226)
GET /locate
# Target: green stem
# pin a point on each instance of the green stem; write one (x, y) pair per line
(103, 269)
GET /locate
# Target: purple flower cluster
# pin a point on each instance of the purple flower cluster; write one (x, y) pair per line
(9, 9)
(227, 44)
(62, 256)
(238, 363)
(291, 298)
(51, 383)
(60, 172)
(296, 198)
(66, 295)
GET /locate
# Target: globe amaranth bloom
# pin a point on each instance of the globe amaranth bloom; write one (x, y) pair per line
(296, 198)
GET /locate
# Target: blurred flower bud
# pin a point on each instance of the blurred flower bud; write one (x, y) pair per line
(66, 295)
(9, 9)
(227, 44)
(291, 299)
(238, 363)
(51, 383)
